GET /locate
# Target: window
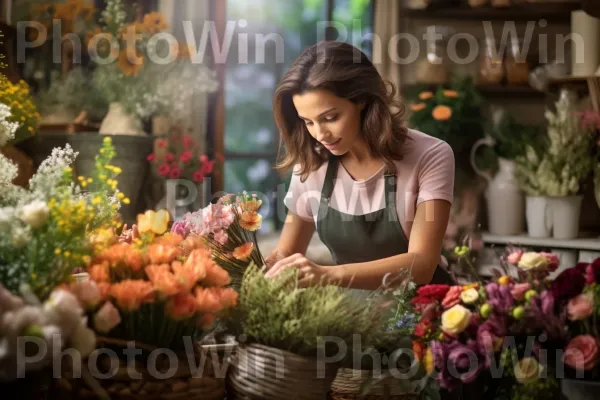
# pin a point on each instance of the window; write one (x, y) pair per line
(253, 70)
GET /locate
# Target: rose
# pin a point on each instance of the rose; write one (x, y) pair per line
(107, 318)
(580, 307)
(469, 296)
(568, 284)
(514, 257)
(434, 291)
(533, 261)
(528, 370)
(553, 261)
(455, 320)
(35, 213)
(452, 298)
(582, 352)
(519, 290)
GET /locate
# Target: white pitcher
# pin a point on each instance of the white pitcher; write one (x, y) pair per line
(505, 200)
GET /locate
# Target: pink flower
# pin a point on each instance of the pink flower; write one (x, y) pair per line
(580, 307)
(164, 170)
(187, 141)
(168, 157)
(582, 352)
(107, 318)
(452, 298)
(207, 167)
(175, 173)
(590, 275)
(198, 176)
(553, 261)
(514, 257)
(518, 291)
(185, 156)
(87, 292)
(221, 237)
(151, 157)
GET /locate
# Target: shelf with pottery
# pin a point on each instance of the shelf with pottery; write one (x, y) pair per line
(591, 243)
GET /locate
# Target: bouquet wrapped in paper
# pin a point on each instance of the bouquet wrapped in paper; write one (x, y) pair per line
(228, 228)
(160, 289)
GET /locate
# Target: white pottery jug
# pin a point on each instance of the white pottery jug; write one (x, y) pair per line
(539, 216)
(118, 122)
(566, 212)
(505, 200)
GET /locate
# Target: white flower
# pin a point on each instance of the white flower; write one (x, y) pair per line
(6, 218)
(20, 236)
(469, 296)
(51, 171)
(7, 129)
(35, 213)
(83, 340)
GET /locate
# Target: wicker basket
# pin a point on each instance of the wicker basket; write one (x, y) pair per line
(348, 384)
(262, 372)
(159, 377)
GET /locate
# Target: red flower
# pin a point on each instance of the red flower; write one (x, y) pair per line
(568, 284)
(175, 173)
(151, 157)
(422, 328)
(187, 141)
(435, 291)
(198, 176)
(164, 170)
(203, 158)
(422, 300)
(207, 167)
(185, 156)
(161, 143)
(168, 157)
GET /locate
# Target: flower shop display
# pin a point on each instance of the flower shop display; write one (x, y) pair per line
(228, 227)
(162, 293)
(558, 171)
(506, 141)
(292, 340)
(495, 339)
(147, 76)
(186, 169)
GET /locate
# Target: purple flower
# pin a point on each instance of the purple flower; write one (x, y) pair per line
(456, 362)
(500, 297)
(180, 228)
(542, 316)
(489, 335)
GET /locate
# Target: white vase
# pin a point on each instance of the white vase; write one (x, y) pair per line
(539, 216)
(565, 216)
(183, 196)
(118, 122)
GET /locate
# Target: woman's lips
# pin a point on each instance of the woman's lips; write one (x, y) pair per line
(332, 145)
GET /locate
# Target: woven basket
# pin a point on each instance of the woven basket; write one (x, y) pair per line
(262, 372)
(348, 384)
(161, 379)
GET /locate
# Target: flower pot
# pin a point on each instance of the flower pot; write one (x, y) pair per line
(118, 122)
(264, 372)
(565, 216)
(539, 216)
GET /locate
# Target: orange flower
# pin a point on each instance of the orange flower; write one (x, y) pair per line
(417, 107)
(191, 243)
(131, 33)
(442, 113)
(213, 299)
(250, 221)
(243, 252)
(418, 349)
(205, 321)
(130, 62)
(425, 95)
(155, 222)
(134, 260)
(104, 288)
(122, 254)
(169, 239)
(163, 280)
(194, 268)
(251, 205)
(182, 306)
(155, 22)
(99, 272)
(450, 93)
(162, 254)
(130, 294)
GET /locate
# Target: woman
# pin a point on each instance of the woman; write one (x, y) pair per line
(378, 194)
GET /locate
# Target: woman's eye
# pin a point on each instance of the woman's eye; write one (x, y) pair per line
(331, 119)
(308, 123)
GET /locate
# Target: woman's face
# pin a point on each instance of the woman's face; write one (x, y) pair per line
(333, 121)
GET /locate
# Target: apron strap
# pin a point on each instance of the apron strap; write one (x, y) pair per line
(390, 192)
(330, 176)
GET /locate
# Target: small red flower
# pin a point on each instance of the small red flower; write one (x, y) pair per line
(203, 158)
(175, 173)
(435, 291)
(151, 157)
(198, 176)
(422, 328)
(161, 143)
(207, 167)
(164, 170)
(168, 157)
(185, 156)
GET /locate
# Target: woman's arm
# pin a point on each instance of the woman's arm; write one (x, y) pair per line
(295, 237)
(423, 256)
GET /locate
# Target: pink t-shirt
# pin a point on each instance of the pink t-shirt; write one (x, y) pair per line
(425, 173)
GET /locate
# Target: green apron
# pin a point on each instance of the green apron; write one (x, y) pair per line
(368, 237)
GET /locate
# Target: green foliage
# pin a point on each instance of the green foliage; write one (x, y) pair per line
(276, 312)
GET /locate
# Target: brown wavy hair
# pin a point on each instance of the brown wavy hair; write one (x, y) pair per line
(347, 72)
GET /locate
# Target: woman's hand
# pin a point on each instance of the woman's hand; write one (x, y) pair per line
(129, 235)
(309, 273)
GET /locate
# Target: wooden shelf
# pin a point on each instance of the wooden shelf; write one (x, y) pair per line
(492, 90)
(590, 243)
(534, 12)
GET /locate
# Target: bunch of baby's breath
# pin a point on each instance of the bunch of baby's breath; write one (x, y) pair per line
(277, 313)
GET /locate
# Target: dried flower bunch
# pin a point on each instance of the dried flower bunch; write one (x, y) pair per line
(158, 289)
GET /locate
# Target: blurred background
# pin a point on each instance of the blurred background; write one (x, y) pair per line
(201, 124)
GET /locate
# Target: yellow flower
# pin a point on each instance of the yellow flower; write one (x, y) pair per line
(425, 95)
(154, 222)
(126, 201)
(428, 361)
(456, 320)
(107, 139)
(155, 22)
(504, 280)
(528, 370)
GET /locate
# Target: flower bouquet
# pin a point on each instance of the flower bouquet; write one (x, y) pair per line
(228, 228)
(492, 337)
(292, 340)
